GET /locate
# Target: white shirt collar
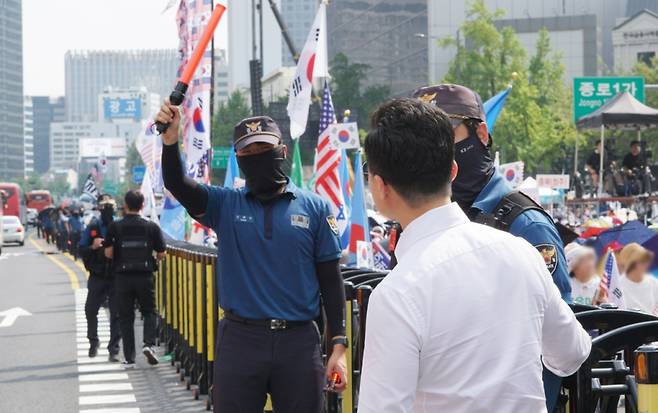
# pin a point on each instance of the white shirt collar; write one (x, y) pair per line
(431, 222)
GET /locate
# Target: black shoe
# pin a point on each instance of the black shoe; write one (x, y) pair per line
(128, 365)
(113, 358)
(150, 355)
(93, 348)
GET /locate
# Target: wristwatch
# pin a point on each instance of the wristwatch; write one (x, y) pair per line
(340, 340)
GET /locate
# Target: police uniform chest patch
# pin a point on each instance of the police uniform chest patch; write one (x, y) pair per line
(549, 254)
(301, 221)
(333, 224)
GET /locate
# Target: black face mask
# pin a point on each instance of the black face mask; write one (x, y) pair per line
(107, 214)
(264, 172)
(475, 169)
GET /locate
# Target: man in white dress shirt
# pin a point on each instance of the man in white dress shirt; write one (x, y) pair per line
(464, 320)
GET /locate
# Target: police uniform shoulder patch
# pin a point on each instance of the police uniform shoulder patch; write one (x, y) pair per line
(549, 254)
(333, 224)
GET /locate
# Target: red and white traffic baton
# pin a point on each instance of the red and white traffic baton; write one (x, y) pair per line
(178, 94)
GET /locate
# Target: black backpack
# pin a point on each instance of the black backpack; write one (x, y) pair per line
(133, 248)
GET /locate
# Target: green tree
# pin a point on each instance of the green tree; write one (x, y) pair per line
(31, 183)
(535, 124)
(347, 91)
(227, 115)
(58, 186)
(133, 158)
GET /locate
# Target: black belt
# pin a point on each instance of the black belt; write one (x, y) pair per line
(272, 324)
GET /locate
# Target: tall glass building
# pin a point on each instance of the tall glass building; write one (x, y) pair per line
(298, 15)
(11, 85)
(388, 35)
(45, 111)
(88, 73)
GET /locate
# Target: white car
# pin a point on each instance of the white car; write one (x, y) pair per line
(12, 230)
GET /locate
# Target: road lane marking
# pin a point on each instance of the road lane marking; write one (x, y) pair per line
(78, 264)
(96, 376)
(87, 388)
(11, 315)
(73, 278)
(103, 377)
(107, 399)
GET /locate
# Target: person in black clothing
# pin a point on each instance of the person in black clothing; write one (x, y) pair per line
(134, 244)
(100, 285)
(634, 160)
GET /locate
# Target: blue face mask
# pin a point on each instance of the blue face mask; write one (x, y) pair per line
(475, 168)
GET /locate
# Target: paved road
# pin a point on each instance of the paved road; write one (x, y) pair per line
(43, 346)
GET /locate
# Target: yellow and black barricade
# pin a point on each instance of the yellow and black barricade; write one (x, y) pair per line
(646, 375)
(188, 311)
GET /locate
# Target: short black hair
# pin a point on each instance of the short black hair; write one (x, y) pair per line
(633, 143)
(411, 147)
(134, 199)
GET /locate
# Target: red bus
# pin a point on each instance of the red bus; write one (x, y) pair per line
(15, 202)
(39, 199)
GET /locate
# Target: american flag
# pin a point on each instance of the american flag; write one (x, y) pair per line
(610, 283)
(327, 159)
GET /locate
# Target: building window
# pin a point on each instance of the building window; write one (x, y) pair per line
(646, 57)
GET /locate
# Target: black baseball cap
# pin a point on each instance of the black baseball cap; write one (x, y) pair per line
(256, 129)
(455, 100)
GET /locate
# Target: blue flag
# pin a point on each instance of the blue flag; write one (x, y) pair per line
(345, 186)
(172, 218)
(359, 228)
(493, 106)
(232, 170)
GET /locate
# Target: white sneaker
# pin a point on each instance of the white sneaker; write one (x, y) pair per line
(150, 355)
(128, 365)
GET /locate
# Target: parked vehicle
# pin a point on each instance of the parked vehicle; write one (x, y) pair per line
(14, 200)
(38, 199)
(12, 231)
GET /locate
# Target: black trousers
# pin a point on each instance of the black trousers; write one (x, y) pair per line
(140, 288)
(99, 289)
(253, 361)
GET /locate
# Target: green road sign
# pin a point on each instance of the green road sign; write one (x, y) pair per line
(590, 93)
(220, 156)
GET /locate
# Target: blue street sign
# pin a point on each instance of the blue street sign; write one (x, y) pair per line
(138, 174)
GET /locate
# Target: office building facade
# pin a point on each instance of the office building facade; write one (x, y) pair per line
(298, 16)
(636, 40)
(580, 29)
(88, 73)
(11, 85)
(221, 90)
(45, 111)
(387, 35)
(28, 137)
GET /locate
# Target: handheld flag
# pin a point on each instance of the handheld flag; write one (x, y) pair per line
(89, 187)
(299, 99)
(149, 209)
(513, 173)
(611, 282)
(232, 178)
(344, 168)
(344, 135)
(359, 230)
(326, 177)
(493, 106)
(172, 219)
(297, 173)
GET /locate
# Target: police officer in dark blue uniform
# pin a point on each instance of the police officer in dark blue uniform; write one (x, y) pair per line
(278, 258)
(100, 286)
(483, 194)
(133, 244)
(76, 226)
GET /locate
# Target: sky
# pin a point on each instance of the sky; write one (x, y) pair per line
(51, 27)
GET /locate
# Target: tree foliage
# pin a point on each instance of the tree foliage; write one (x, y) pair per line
(227, 115)
(535, 125)
(347, 89)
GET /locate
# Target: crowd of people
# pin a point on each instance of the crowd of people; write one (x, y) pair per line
(478, 291)
(121, 256)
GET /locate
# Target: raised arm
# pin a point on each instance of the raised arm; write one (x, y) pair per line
(188, 192)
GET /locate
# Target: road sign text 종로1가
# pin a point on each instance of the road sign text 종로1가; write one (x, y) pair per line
(590, 93)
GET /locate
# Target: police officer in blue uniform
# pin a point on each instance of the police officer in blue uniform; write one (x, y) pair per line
(483, 194)
(278, 258)
(76, 226)
(100, 286)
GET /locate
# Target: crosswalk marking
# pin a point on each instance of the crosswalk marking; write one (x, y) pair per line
(108, 399)
(101, 383)
(87, 388)
(103, 377)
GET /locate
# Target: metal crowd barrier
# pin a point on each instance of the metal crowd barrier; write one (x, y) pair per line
(188, 311)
